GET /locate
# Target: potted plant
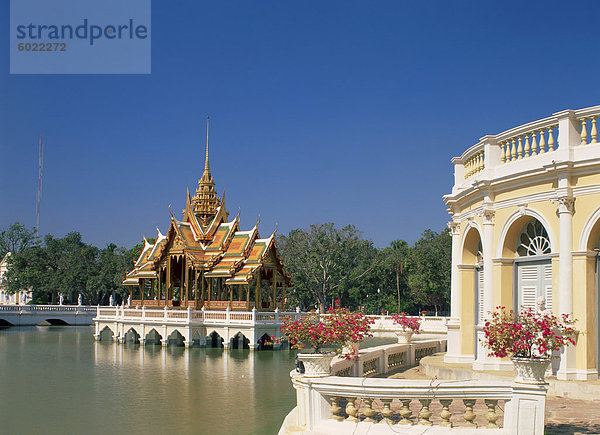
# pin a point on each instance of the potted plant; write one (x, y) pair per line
(352, 327)
(325, 337)
(528, 338)
(408, 327)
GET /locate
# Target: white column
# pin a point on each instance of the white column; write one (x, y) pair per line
(483, 361)
(567, 369)
(453, 324)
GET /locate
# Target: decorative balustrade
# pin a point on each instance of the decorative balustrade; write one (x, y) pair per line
(50, 308)
(347, 402)
(564, 130)
(429, 324)
(381, 359)
(160, 316)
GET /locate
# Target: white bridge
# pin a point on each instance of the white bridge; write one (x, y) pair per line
(228, 329)
(27, 315)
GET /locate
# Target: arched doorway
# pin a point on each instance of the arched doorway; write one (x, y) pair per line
(533, 267)
(471, 286)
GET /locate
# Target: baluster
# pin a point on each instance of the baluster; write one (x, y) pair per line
(534, 145)
(550, 140)
(425, 413)
(491, 413)
(542, 142)
(352, 410)
(369, 412)
(527, 147)
(482, 161)
(469, 415)
(513, 151)
(405, 412)
(594, 131)
(478, 162)
(583, 132)
(520, 149)
(336, 410)
(387, 411)
(503, 154)
(445, 414)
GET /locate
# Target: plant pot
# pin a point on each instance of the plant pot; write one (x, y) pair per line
(316, 364)
(531, 370)
(404, 336)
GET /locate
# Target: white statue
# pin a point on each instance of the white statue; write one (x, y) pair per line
(111, 301)
(129, 301)
(60, 299)
(80, 300)
(541, 305)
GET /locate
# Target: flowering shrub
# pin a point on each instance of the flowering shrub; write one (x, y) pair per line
(526, 334)
(339, 327)
(411, 323)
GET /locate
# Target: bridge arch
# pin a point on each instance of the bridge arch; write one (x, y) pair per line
(240, 341)
(153, 337)
(132, 336)
(5, 323)
(214, 340)
(265, 342)
(55, 322)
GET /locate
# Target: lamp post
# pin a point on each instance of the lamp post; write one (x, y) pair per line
(378, 301)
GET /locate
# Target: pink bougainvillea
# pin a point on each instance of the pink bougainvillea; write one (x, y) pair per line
(339, 327)
(527, 334)
(412, 323)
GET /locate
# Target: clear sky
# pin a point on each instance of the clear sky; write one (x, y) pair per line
(343, 111)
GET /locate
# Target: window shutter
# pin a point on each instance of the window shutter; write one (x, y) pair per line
(480, 305)
(548, 285)
(528, 283)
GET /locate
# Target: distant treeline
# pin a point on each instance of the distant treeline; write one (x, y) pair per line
(326, 263)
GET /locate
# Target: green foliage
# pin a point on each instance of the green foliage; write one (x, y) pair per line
(326, 262)
(16, 238)
(69, 266)
(329, 263)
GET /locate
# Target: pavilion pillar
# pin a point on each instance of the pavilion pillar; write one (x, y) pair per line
(203, 285)
(187, 282)
(248, 296)
(210, 288)
(142, 285)
(239, 292)
(158, 282)
(195, 288)
(168, 282)
(130, 293)
(274, 289)
(182, 284)
(258, 292)
(230, 290)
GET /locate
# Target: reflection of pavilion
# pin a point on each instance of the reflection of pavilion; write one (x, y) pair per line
(206, 261)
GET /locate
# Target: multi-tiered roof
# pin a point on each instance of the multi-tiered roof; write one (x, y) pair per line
(209, 242)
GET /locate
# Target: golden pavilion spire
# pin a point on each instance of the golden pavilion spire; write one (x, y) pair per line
(205, 201)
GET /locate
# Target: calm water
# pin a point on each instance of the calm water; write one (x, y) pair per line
(58, 380)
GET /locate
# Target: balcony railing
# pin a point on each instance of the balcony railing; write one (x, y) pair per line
(561, 131)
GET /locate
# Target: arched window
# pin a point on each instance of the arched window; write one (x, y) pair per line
(533, 240)
(534, 276)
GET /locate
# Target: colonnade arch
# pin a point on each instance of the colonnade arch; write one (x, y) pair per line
(469, 269)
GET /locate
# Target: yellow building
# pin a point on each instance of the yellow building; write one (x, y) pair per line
(525, 229)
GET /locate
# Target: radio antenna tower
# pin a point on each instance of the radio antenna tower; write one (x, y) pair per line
(39, 189)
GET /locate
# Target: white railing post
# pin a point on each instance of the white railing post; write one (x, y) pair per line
(203, 313)
(227, 311)
(253, 315)
(143, 313)
(166, 316)
(276, 315)
(189, 314)
(491, 152)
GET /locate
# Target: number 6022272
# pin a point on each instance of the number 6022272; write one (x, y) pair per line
(42, 46)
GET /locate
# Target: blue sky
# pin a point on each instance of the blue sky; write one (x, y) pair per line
(343, 111)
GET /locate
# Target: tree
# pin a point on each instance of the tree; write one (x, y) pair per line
(430, 265)
(394, 259)
(15, 239)
(325, 261)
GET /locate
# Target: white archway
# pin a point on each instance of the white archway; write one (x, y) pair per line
(517, 215)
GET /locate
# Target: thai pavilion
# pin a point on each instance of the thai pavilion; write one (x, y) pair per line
(205, 260)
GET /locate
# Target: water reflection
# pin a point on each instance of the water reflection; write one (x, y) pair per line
(75, 385)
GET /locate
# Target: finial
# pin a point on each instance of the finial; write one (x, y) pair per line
(276, 227)
(258, 220)
(206, 166)
(170, 212)
(239, 212)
